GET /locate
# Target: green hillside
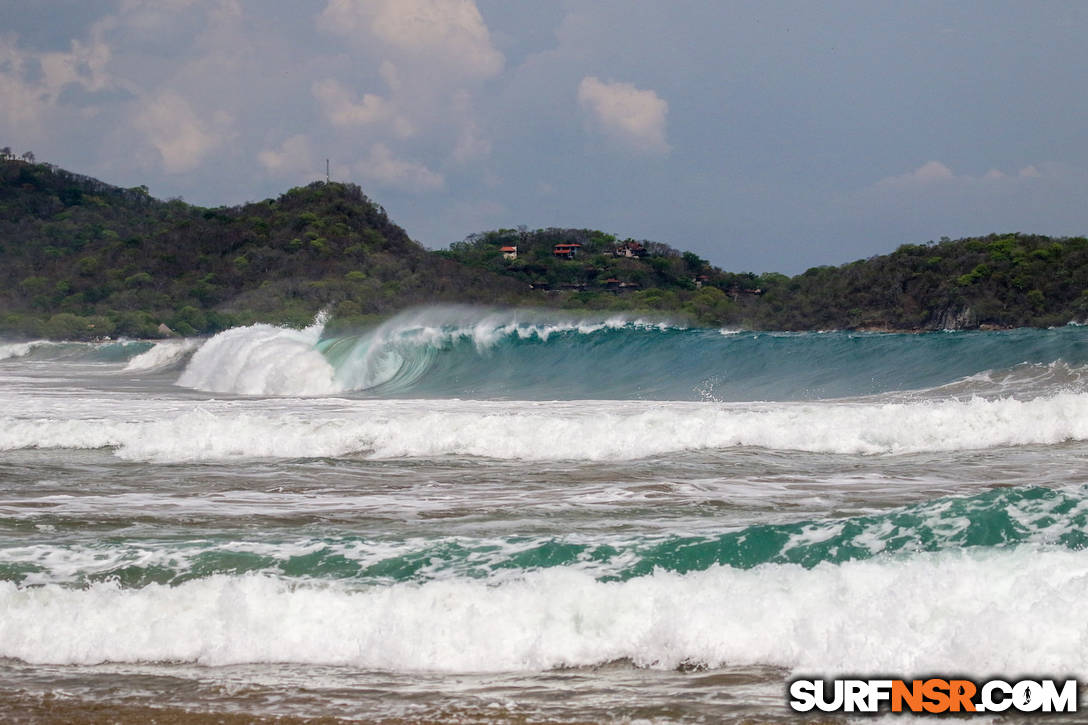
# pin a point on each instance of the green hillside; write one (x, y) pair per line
(1008, 280)
(589, 269)
(80, 258)
(77, 253)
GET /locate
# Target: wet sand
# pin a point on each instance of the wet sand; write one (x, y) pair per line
(26, 709)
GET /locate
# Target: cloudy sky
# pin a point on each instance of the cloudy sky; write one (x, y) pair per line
(766, 136)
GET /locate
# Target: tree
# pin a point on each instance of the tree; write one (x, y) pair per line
(28, 157)
(694, 262)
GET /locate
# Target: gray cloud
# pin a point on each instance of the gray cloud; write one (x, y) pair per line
(762, 136)
(633, 118)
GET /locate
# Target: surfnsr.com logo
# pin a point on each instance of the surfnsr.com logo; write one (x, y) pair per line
(934, 695)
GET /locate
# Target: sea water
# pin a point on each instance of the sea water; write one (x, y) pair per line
(493, 516)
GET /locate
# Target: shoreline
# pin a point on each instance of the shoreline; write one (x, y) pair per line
(46, 709)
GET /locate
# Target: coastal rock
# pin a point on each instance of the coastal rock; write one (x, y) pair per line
(957, 319)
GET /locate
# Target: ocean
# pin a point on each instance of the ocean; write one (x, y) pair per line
(481, 515)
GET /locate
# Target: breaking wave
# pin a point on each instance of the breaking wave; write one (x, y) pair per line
(472, 353)
(20, 349)
(262, 360)
(434, 350)
(163, 355)
(584, 431)
(111, 351)
(951, 611)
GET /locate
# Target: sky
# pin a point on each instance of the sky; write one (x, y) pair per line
(764, 136)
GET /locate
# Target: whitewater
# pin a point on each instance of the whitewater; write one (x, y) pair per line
(515, 516)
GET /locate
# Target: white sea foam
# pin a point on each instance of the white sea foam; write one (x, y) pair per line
(1025, 380)
(162, 355)
(262, 360)
(979, 613)
(583, 430)
(438, 325)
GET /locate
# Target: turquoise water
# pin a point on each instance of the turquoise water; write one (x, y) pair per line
(638, 360)
(520, 517)
(1000, 518)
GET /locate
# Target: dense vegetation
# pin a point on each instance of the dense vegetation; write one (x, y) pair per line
(1008, 280)
(997, 281)
(80, 258)
(601, 272)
